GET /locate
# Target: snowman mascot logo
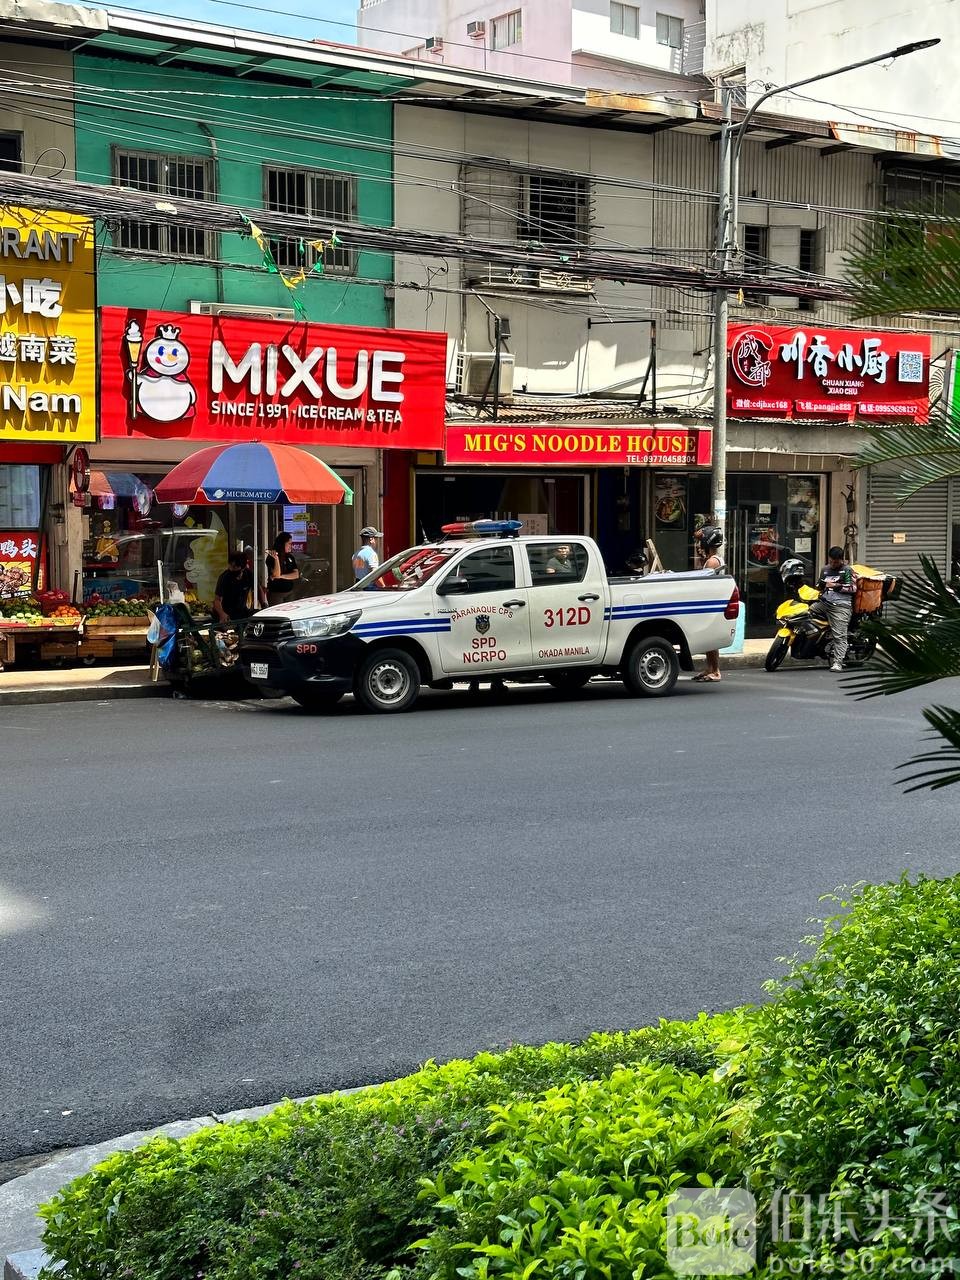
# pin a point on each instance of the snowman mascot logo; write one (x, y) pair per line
(161, 389)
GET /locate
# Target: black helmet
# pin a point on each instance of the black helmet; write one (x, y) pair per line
(792, 569)
(710, 537)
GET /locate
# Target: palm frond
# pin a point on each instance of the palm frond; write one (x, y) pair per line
(922, 453)
(919, 643)
(945, 723)
(909, 262)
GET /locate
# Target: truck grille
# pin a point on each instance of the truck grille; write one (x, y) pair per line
(266, 631)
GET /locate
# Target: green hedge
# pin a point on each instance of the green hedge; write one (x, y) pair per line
(329, 1188)
(559, 1161)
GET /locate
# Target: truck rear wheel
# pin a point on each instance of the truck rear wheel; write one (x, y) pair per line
(651, 668)
(388, 680)
(313, 699)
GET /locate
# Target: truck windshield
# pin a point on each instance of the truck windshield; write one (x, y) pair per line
(408, 570)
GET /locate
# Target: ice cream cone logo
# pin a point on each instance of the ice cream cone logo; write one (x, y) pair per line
(134, 341)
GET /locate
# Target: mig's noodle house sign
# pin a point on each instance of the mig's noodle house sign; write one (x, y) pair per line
(568, 446)
(167, 376)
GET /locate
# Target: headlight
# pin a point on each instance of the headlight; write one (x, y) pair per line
(333, 624)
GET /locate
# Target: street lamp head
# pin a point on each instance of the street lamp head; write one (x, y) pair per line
(914, 47)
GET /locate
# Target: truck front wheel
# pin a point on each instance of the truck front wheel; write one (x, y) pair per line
(651, 668)
(388, 680)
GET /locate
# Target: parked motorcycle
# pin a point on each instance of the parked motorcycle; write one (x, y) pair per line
(804, 631)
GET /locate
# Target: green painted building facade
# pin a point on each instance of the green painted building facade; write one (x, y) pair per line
(244, 141)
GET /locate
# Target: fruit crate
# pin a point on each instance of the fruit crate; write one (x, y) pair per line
(116, 626)
(55, 650)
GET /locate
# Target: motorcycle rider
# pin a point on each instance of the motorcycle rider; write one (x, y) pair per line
(838, 585)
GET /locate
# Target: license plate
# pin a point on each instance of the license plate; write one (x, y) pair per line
(259, 671)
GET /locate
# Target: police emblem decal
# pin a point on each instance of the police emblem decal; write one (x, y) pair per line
(482, 623)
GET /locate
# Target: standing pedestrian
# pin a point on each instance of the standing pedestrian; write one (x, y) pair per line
(233, 599)
(282, 571)
(837, 585)
(709, 542)
(365, 558)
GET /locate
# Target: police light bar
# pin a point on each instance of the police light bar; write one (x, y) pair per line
(467, 527)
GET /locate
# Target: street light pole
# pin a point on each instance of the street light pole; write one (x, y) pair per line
(727, 243)
(721, 304)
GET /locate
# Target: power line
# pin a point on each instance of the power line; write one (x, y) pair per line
(118, 204)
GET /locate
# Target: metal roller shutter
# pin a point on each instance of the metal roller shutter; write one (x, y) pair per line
(925, 520)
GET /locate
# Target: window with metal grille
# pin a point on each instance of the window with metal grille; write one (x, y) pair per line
(183, 177)
(625, 19)
(506, 205)
(11, 152)
(327, 197)
(808, 262)
(669, 30)
(756, 258)
(558, 210)
(506, 30)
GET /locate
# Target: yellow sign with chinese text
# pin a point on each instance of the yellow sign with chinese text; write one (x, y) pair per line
(48, 344)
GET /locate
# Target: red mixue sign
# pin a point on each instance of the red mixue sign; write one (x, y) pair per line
(801, 371)
(590, 446)
(218, 378)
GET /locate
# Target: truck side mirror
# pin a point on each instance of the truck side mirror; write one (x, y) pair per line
(454, 586)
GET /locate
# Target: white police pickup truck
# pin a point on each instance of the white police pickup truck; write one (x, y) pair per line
(485, 602)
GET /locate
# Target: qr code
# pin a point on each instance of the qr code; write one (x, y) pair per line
(910, 366)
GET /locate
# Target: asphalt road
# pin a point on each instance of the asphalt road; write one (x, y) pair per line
(204, 906)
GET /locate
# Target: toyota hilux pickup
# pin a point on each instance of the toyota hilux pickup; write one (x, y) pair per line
(487, 603)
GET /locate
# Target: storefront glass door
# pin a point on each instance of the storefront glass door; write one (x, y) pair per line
(771, 518)
(324, 539)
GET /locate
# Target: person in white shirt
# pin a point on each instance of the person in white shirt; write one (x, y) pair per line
(365, 558)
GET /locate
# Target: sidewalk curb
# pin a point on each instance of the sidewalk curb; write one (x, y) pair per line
(99, 693)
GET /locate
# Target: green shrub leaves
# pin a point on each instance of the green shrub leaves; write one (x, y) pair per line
(841, 1096)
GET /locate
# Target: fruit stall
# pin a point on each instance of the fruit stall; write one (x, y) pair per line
(114, 628)
(47, 627)
(45, 623)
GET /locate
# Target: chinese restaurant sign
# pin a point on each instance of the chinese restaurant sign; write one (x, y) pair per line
(800, 372)
(221, 379)
(48, 352)
(577, 446)
(18, 562)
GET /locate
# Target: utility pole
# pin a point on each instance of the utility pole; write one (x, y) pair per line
(723, 246)
(727, 250)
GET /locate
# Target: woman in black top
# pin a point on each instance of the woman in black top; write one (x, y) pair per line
(282, 571)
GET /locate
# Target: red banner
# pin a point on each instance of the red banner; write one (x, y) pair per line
(221, 379)
(802, 372)
(19, 553)
(551, 446)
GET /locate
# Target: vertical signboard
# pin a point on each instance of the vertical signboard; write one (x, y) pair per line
(48, 374)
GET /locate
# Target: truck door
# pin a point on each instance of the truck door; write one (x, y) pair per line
(566, 597)
(489, 630)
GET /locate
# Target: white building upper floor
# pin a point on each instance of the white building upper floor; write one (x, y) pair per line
(775, 42)
(643, 46)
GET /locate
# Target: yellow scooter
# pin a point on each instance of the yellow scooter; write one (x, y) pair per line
(804, 631)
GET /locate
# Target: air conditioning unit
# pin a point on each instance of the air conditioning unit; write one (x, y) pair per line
(476, 30)
(242, 311)
(433, 44)
(476, 374)
(563, 282)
